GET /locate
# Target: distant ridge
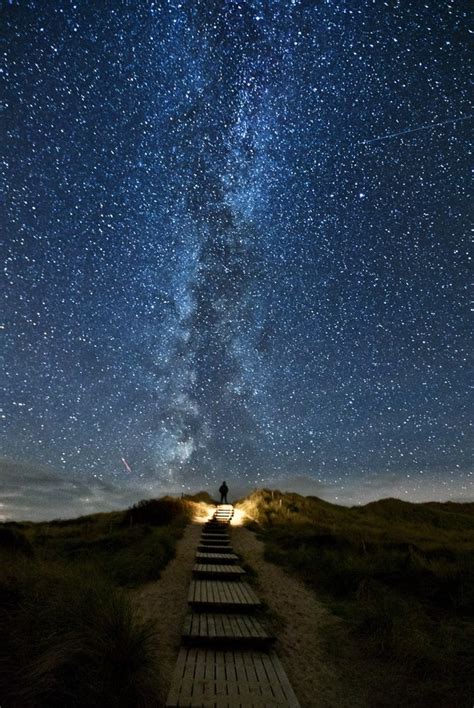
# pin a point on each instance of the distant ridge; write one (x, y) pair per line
(273, 506)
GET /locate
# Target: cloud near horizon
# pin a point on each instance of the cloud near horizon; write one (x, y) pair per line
(35, 493)
(31, 492)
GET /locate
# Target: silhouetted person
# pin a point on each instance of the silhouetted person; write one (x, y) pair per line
(223, 490)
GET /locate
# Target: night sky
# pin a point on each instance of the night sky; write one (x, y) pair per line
(235, 248)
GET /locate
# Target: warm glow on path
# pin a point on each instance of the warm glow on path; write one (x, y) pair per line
(239, 517)
(202, 513)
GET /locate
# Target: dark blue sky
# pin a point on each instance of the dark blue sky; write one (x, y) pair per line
(235, 237)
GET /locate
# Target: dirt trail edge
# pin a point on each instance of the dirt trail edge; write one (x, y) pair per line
(165, 601)
(302, 625)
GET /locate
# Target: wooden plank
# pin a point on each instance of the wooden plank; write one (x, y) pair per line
(221, 685)
(203, 557)
(205, 548)
(240, 673)
(216, 528)
(178, 676)
(217, 522)
(215, 537)
(212, 629)
(232, 594)
(273, 661)
(219, 570)
(273, 677)
(250, 668)
(218, 544)
(229, 678)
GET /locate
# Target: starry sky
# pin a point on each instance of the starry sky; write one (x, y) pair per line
(235, 248)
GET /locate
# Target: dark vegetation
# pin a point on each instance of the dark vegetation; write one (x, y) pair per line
(201, 497)
(401, 577)
(69, 633)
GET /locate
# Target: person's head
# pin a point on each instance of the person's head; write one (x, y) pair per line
(223, 482)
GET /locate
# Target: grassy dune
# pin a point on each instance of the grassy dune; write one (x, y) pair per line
(69, 634)
(401, 577)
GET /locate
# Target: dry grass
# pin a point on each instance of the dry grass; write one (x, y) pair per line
(70, 635)
(400, 577)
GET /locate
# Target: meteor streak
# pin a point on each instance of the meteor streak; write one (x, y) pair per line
(414, 130)
(127, 466)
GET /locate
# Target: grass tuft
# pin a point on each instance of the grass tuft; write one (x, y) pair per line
(70, 638)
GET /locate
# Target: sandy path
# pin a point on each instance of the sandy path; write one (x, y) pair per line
(299, 621)
(300, 624)
(166, 601)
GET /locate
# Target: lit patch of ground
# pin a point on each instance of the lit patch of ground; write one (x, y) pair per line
(239, 517)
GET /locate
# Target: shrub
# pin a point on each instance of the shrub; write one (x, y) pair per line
(156, 512)
(14, 540)
(200, 497)
(71, 639)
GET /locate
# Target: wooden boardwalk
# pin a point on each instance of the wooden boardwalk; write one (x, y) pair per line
(205, 628)
(215, 534)
(244, 678)
(214, 539)
(226, 659)
(212, 570)
(202, 557)
(227, 594)
(205, 548)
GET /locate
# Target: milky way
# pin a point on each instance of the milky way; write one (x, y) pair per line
(216, 265)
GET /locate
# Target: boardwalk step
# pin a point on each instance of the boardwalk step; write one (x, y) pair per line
(218, 520)
(219, 570)
(216, 557)
(207, 677)
(204, 628)
(221, 548)
(215, 541)
(214, 537)
(224, 594)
